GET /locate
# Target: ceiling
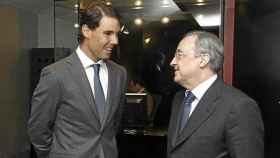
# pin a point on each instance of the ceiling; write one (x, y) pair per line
(150, 10)
(153, 10)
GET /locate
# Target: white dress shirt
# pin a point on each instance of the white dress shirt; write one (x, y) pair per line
(200, 90)
(103, 71)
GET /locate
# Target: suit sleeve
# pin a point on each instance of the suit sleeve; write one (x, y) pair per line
(245, 131)
(122, 101)
(43, 113)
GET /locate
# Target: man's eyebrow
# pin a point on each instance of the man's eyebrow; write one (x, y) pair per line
(108, 31)
(179, 50)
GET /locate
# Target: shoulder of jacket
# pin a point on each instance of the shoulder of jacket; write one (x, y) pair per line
(116, 65)
(57, 67)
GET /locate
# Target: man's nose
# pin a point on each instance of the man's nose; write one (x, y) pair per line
(173, 62)
(115, 40)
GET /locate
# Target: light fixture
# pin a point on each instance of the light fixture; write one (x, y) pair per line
(126, 32)
(138, 3)
(138, 21)
(122, 28)
(199, 1)
(208, 20)
(76, 25)
(165, 6)
(139, 7)
(165, 2)
(147, 40)
(165, 20)
(108, 3)
(76, 6)
(200, 4)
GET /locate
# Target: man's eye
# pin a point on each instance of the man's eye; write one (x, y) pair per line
(107, 33)
(179, 54)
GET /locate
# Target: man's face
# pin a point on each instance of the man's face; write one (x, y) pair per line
(186, 62)
(101, 40)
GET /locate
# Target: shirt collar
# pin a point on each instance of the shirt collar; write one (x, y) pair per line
(86, 61)
(203, 87)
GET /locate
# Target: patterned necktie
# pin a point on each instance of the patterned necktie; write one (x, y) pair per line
(189, 98)
(98, 92)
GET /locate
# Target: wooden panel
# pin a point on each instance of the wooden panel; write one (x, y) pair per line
(229, 15)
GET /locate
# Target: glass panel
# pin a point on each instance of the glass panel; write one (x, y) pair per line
(66, 23)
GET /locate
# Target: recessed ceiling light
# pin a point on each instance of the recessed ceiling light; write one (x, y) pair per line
(76, 25)
(137, 8)
(76, 6)
(200, 1)
(147, 40)
(138, 3)
(208, 20)
(165, 2)
(200, 4)
(165, 20)
(138, 21)
(108, 3)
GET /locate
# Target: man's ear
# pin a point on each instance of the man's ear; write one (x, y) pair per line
(205, 58)
(85, 30)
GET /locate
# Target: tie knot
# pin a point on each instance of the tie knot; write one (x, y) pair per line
(189, 97)
(96, 68)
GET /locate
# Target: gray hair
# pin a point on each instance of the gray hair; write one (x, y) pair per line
(208, 43)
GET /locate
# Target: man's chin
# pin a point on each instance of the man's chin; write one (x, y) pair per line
(107, 56)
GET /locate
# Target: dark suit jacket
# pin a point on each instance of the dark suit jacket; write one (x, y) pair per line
(225, 124)
(64, 121)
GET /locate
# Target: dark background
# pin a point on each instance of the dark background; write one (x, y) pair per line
(257, 62)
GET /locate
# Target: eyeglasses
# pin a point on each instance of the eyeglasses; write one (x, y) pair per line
(179, 54)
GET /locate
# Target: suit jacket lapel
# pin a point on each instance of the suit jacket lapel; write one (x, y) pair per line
(78, 72)
(203, 110)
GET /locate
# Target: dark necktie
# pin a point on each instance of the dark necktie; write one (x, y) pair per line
(189, 98)
(98, 92)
